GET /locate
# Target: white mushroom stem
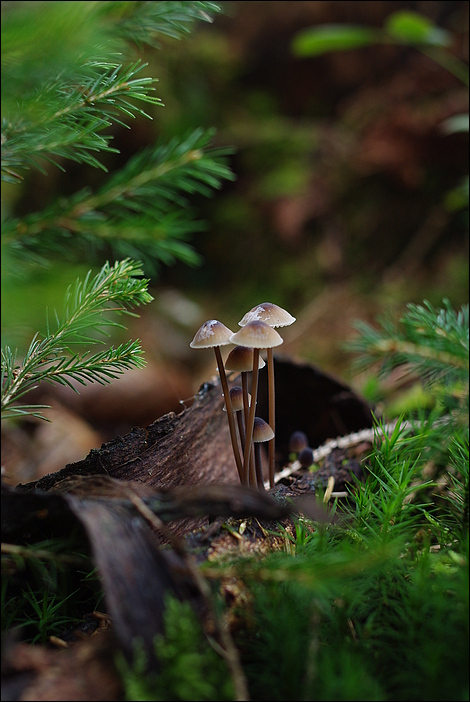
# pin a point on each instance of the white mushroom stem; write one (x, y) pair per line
(228, 404)
(251, 417)
(271, 415)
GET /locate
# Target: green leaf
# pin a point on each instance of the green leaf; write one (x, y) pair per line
(411, 28)
(315, 41)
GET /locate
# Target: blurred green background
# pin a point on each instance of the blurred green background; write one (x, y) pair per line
(349, 199)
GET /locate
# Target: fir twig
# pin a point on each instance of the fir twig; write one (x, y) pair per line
(64, 120)
(142, 22)
(140, 211)
(114, 289)
(433, 342)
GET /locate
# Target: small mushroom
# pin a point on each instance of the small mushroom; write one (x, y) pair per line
(214, 334)
(275, 316)
(261, 432)
(305, 457)
(236, 397)
(297, 441)
(240, 359)
(256, 335)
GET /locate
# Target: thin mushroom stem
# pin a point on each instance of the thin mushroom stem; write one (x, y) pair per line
(246, 404)
(271, 410)
(228, 404)
(259, 471)
(251, 416)
(252, 470)
(241, 428)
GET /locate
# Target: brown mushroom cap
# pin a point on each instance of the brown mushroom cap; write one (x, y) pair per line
(240, 359)
(257, 335)
(262, 431)
(211, 333)
(298, 440)
(270, 313)
(236, 396)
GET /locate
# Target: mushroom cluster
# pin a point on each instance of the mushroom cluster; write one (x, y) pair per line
(257, 334)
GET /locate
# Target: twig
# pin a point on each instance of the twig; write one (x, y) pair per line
(345, 442)
(228, 650)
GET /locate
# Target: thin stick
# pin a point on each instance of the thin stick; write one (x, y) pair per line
(228, 407)
(251, 416)
(272, 420)
(228, 649)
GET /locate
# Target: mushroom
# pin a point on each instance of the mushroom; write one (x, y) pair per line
(240, 359)
(297, 441)
(275, 316)
(236, 398)
(305, 457)
(256, 335)
(261, 432)
(214, 334)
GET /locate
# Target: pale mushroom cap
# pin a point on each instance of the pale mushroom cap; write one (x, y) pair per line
(270, 313)
(262, 431)
(241, 359)
(257, 335)
(211, 333)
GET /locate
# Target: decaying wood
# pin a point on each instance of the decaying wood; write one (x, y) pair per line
(190, 448)
(193, 447)
(84, 672)
(182, 469)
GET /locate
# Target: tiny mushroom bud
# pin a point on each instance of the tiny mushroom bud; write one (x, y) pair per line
(256, 335)
(297, 441)
(305, 457)
(213, 334)
(261, 432)
(275, 316)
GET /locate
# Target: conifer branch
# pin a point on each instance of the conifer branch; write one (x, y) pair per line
(142, 21)
(62, 116)
(115, 289)
(434, 343)
(65, 119)
(139, 212)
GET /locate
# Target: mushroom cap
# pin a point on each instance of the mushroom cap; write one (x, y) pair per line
(241, 359)
(262, 431)
(211, 333)
(257, 335)
(270, 313)
(305, 457)
(236, 397)
(297, 441)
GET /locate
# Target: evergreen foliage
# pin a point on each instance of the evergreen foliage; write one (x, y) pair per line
(116, 289)
(88, 79)
(69, 74)
(190, 668)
